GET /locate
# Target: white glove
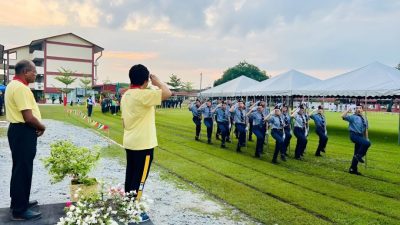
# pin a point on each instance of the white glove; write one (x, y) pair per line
(230, 126)
(247, 129)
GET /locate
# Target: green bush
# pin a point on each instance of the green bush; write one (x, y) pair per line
(67, 159)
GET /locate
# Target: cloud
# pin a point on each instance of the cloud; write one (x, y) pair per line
(130, 55)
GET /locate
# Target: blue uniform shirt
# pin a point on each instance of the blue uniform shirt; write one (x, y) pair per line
(207, 112)
(195, 111)
(222, 115)
(276, 122)
(319, 120)
(258, 118)
(286, 119)
(239, 115)
(300, 121)
(357, 123)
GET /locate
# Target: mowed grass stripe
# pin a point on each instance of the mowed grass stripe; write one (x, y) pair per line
(255, 203)
(337, 210)
(376, 203)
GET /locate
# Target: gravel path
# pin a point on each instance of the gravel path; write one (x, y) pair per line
(170, 204)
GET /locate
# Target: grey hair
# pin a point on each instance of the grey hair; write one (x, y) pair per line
(23, 66)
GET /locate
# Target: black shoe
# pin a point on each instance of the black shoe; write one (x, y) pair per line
(298, 158)
(318, 154)
(257, 155)
(283, 158)
(229, 141)
(223, 146)
(209, 141)
(217, 137)
(27, 215)
(286, 154)
(250, 139)
(196, 138)
(359, 158)
(31, 204)
(323, 150)
(353, 171)
(274, 161)
(238, 149)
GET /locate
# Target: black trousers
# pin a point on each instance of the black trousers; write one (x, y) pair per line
(197, 122)
(89, 110)
(23, 140)
(209, 124)
(301, 141)
(277, 134)
(250, 129)
(323, 140)
(138, 163)
(361, 145)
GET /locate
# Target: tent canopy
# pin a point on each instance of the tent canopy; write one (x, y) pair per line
(373, 80)
(283, 84)
(231, 88)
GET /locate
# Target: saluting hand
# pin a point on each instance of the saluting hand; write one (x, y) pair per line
(155, 80)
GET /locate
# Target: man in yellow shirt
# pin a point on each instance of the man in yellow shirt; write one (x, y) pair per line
(138, 117)
(25, 126)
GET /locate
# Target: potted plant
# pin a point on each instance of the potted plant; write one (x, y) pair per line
(67, 159)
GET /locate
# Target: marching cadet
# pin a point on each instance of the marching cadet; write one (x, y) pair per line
(223, 122)
(257, 116)
(275, 120)
(287, 128)
(266, 112)
(206, 109)
(300, 126)
(248, 109)
(358, 127)
(214, 106)
(194, 108)
(239, 113)
(320, 129)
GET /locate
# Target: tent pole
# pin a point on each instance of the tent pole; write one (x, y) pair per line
(398, 141)
(366, 109)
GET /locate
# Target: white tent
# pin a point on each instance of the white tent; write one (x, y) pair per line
(231, 88)
(285, 84)
(373, 80)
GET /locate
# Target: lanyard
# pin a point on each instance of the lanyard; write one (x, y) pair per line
(20, 80)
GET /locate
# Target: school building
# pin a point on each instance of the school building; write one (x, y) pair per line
(50, 55)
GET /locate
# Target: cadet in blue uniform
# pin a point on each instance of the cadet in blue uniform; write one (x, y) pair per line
(206, 110)
(194, 108)
(275, 120)
(358, 126)
(248, 109)
(215, 104)
(257, 116)
(287, 129)
(300, 126)
(266, 112)
(223, 115)
(320, 129)
(239, 116)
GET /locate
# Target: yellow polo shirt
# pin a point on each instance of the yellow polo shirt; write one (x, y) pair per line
(19, 97)
(138, 114)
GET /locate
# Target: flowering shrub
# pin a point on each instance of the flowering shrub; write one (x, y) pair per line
(111, 208)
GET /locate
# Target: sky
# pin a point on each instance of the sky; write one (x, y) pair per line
(186, 38)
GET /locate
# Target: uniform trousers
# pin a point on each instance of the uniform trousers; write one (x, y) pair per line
(277, 134)
(323, 140)
(258, 130)
(224, 128)
(138, 163)
(22, 139)
(301, 141)
(90, 110)
(288, 136)
(361, 145)
(250, 129)
(209, 124)
(197, 122)
(241, 129)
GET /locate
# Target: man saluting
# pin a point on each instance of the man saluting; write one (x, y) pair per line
(358, 127)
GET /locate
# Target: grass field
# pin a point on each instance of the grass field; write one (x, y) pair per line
(313, 191)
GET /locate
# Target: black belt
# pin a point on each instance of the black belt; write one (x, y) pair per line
(278, 129)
